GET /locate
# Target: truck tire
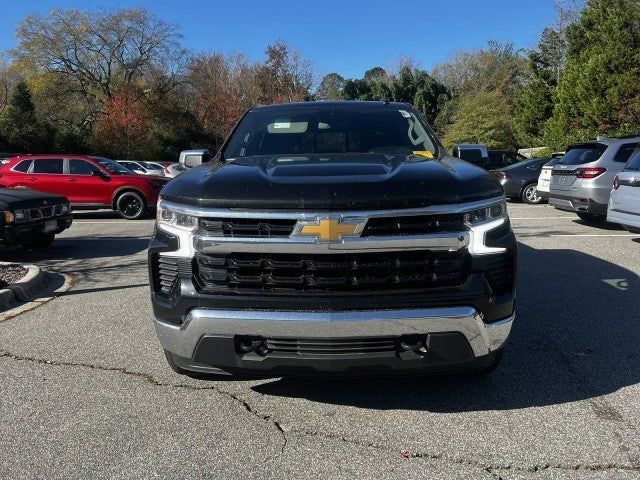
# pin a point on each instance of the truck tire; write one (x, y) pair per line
(591, 217)
(530, 195)
(40, 243)
(131, 206)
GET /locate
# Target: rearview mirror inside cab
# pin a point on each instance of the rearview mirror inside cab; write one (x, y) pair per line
(193, 158)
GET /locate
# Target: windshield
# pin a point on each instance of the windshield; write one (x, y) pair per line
(331, 129)
(113, 167)
(148, 166)
(583, 154)
(634, 161)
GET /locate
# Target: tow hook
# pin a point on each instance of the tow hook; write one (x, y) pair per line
(411, 343)
(253, 344)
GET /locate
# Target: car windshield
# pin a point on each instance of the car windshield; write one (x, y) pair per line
(330, 129)
(112, 166)
(553, 161)
(148, 166)
(580, 154)
(634, 161)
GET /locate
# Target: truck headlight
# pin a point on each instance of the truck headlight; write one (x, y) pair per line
(491, 213)
(481, 221)
(169, 217)
(9, 217)
(20, 215)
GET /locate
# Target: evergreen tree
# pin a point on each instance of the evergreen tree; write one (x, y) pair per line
(19, 126)
(599, 91)
(534, 105)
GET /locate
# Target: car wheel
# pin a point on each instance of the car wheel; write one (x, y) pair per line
(591, 217)
(632, 229)
(131, 205)
(41, 243)
(530, 194)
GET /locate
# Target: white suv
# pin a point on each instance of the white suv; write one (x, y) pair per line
(581, 182)
(624, 204)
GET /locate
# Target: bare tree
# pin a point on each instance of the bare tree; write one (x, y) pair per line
(568, 12)
(94, 54)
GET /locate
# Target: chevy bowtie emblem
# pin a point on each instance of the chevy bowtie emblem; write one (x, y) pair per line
(329, 229)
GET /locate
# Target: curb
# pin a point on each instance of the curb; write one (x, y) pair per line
(55, 285)
(24, 290)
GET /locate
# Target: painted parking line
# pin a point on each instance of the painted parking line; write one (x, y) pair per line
(589, 235)
(541, 218)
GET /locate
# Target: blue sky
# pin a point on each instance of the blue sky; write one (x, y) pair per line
(343, 36)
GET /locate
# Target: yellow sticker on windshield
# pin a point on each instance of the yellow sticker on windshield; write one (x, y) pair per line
(423, 153)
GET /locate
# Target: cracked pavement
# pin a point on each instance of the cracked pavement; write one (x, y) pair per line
(86, 391)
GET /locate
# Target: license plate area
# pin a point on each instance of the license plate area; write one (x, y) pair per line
(50, 226)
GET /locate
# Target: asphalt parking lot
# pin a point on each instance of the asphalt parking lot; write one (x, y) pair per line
(86, 392)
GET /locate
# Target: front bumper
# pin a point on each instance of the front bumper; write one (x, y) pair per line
(18, 233)
(343, 343)
(461, 326)
(576, 204)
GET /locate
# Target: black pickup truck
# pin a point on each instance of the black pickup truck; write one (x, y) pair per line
(333, 238)
(31, 218)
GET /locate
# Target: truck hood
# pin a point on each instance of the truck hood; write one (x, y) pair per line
(331, 182)
(12, 198)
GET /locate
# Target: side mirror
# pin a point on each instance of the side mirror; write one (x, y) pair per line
(193, 158)
(101, 174)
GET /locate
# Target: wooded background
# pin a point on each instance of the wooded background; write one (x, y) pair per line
(120, 83)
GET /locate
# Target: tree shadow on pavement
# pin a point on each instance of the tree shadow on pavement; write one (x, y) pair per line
(576, 337)
(78, 248)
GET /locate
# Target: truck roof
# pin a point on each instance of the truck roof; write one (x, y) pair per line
(338, 103)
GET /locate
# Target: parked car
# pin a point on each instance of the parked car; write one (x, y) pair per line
(581, 181)
(174, 170)
(520, 180)
(332, 238)
(544, 180)
(503, 158)
(31, 218)
(88, 182)
(624, 204)
(475, 153)
(142, 168)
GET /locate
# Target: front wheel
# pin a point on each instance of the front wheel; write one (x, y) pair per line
(530, 194)
(40, 243)
(591, 217)
(131, 205)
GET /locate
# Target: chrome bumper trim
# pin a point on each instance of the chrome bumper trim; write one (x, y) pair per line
(483, 338)
(450, 241)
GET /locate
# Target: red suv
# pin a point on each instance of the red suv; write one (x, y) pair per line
(88, 182)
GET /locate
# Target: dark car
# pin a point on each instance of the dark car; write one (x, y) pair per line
(503, 158)
(31, 218)
(333, 238)
(520, 180)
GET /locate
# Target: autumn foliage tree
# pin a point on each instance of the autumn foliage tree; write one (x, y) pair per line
(120, 132)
